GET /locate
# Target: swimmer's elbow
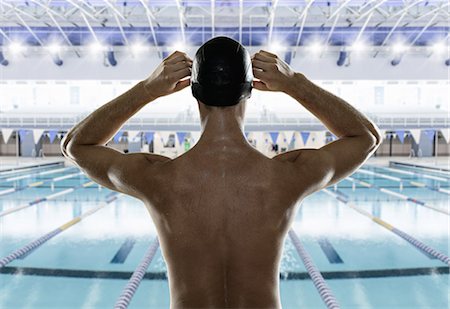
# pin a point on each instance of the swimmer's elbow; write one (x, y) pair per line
(374, 140)
(64, 146)
(68, 149)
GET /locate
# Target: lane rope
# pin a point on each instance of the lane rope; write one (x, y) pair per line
(33, 245)
(319, 282)
(25, 169)
(37, 184)
(427, 250)
(399, 195)
(400, 180)
(59, 170)
(411, 173)
(45, 198)
(131, 287)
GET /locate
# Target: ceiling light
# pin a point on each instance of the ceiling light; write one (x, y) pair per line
(16, 47)
(439, 47)
(180, 46)
(399, 48)
(275, 47)
(137, 47)
(54, 48)
(316, 47)
(96, 47)
(358, 46)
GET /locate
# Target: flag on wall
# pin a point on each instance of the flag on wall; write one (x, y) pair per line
(149, 136)
(401, 135)
(6, 133)
(181, 136)
(52, 135)
(446, 133)
(274, 136)
(305, 136)
(37, 133)
(416, 133)
(117, 136)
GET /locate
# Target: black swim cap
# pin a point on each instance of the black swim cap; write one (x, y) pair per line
(221, 72)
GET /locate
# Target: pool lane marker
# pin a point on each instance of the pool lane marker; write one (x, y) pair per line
(367, 172)
(45, 198)
(399, 195)
(131, 287)
(419, 167)
(427, 250)
(41, 240)
(400, 180)
(325, 292)
(59, 170)
(20, 170)
(124, 250)
(410, 173)
(39, 183)
(329, 251)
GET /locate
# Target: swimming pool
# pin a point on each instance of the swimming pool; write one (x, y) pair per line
(87, 263)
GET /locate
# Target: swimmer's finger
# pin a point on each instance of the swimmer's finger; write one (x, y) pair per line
(259, 74)
(268, 53)
(259, 85)
(180, 65)
(262, 57)
(182, 84)
(181, 74)
(177, 58)
(174, 54)
(263, 65)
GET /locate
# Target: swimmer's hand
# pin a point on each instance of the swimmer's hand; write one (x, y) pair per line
(169, 76)
(273, 73)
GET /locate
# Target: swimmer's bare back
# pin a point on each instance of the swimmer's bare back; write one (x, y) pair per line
(222, 210)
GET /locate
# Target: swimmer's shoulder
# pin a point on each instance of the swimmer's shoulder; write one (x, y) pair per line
(304, 155)
(309, 166)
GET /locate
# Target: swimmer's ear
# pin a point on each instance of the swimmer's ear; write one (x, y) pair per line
(260, 85)
(182, 84)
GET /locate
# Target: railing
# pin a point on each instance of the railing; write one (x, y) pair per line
(254, 121)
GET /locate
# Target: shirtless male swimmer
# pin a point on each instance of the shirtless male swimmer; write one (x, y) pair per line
(222, 210)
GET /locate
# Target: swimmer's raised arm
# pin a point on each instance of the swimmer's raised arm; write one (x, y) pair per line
(85, 143)
(358, 136)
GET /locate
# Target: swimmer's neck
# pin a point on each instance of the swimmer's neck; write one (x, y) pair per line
(222, 125)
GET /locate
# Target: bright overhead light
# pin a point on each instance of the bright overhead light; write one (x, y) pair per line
(316, 47)
(439, 47)
(96, 47)
(137, 47)
(16, 47)
(276, 47)
(180, 46)
(358, 46)
(399, 48)
(54, 48)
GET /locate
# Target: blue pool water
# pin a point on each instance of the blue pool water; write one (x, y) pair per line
(88, 264)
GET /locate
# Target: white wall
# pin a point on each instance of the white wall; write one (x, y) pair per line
(82, 84)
